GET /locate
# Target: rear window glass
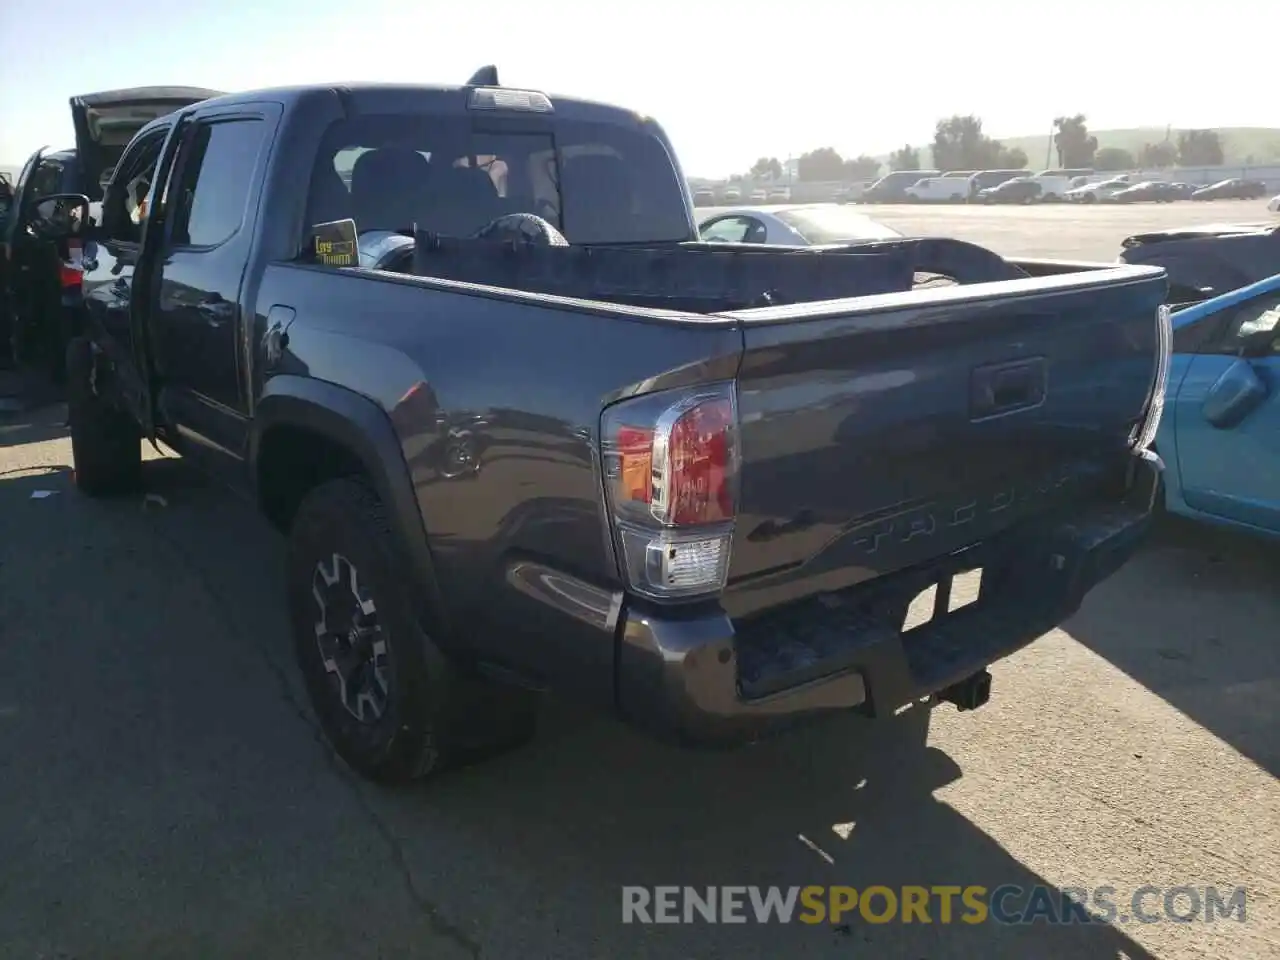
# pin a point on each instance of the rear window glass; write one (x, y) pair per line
(596, 183)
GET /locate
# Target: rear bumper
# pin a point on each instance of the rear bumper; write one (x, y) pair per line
(695, 679)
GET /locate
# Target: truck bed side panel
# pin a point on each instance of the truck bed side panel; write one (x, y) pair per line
(497, 403)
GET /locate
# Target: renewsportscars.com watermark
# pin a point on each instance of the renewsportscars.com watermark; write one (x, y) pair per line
(1007, 904)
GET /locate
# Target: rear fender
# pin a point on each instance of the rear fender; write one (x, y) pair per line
(363, 428)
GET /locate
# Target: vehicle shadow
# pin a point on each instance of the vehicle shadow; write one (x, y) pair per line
(1222, 672)
(526, 854)
(592, 807)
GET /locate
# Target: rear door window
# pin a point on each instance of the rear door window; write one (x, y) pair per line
(215, 180)
(596, 183)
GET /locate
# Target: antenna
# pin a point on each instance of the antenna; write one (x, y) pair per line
(486, 76)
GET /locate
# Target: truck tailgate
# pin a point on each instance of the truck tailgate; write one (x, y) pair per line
(883, 433)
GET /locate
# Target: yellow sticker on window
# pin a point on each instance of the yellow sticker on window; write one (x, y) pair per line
(336, 244)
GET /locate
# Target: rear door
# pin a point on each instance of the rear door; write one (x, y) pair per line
(105, 123)
(111, 257)
(1234, 472)
(197, 323)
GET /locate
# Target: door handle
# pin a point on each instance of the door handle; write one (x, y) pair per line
(1005, 387)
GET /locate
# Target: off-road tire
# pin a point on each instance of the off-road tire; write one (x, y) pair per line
(106, 442)
(436, 715)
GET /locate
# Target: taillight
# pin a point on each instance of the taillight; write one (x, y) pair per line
(1145, 434)
(671, 473)
(71, 270)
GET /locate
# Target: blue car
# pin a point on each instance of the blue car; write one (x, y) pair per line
(1220, 434)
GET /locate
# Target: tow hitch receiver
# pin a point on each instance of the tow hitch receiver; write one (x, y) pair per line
(970, 693)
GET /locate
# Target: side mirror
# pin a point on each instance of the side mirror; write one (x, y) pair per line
(60, 216)
(1260, 344)
(1233, 396)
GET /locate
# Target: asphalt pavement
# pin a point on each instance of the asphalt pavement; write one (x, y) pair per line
(164, 791)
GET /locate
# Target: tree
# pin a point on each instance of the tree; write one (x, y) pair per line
(908, 158)
(1074, 145)
(1200, 148)
(960, 144)
(862, 168)
(821, 164)
(766, 168)
(1011, 158)
(1158, 155)
(1113, 158)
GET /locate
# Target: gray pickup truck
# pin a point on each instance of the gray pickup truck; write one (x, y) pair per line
(524, 431)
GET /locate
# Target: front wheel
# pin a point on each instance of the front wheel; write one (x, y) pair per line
(390, 702)
(106, 442)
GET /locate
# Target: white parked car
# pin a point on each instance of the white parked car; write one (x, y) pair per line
(1274, 204)
(1054, 184)
(939, 189)
(1097, 192)
(800, 225)
(759, 196)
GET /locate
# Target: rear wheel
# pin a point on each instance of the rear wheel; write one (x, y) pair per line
(388, 699)
(106, 443)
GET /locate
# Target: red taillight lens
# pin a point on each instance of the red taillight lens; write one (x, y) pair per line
(71, 270)
(697, 466)
(671, 465)
(70, 276)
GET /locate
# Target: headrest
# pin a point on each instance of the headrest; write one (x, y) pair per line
(387, 187)
(389, 167)
(462, 200)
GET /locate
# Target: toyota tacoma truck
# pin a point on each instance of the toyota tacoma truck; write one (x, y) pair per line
(525, 432)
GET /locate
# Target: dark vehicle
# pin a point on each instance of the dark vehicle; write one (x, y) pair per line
(1234, 189)
(1149, 191)
(44, 282)
(986, 179)
(892, 187)
(1208, 261)
(525, 432)
(1017, 190)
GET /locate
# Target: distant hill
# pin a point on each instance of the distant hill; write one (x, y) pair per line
(1262, 144)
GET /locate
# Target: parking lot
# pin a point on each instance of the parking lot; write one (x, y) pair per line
(1066, 230)
(165, 792)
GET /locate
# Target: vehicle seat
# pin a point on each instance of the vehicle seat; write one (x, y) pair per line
(461, 201)
(330, 198)
(596, 191)
(389, 188)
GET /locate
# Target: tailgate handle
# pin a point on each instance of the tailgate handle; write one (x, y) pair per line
(1005, 387)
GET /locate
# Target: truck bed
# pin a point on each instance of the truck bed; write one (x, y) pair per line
(710, 277)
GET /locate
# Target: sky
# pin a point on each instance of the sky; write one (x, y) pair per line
(730, 82)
